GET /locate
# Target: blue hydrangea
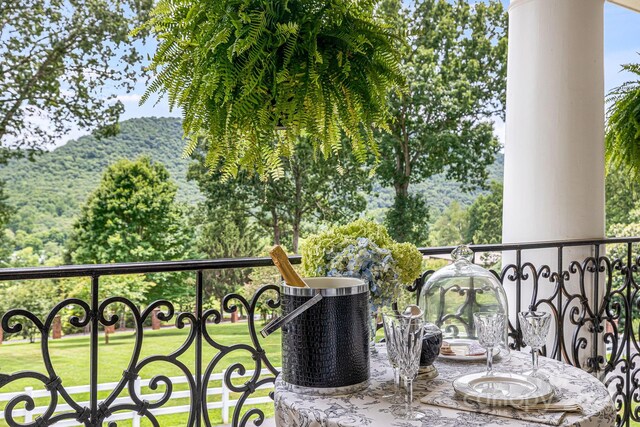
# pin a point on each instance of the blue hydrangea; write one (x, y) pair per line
(369, 262)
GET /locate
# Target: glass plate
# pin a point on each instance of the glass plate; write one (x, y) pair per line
(461, 347)
(503, 389)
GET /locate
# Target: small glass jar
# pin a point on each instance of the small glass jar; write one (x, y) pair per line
(454, 293)
(431, 344)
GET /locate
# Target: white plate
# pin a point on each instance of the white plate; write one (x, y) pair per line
(461, 346)
(503, 389)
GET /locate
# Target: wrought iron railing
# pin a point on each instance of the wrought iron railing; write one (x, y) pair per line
(592, 296)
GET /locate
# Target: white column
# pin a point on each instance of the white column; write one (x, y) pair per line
(554, 150)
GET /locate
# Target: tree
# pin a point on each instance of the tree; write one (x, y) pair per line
(6, 211)
(223, 233)
(485, 217)
(622, 197)
(62, 65)
(455, 65)
(623, 125)
(312, 191)
(133, 216)
(37, 298)
(451, 227)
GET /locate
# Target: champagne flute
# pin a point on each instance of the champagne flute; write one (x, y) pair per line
(535, 328)
(408, 337)
(391, 324)
(490, 332)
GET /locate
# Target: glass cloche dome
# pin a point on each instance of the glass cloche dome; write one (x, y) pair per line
(451, 296)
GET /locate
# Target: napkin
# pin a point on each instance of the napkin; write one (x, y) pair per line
(441, 393)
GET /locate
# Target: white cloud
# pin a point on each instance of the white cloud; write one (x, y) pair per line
(129, 98)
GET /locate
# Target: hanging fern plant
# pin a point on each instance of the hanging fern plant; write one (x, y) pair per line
(623, 125)
(252, 76)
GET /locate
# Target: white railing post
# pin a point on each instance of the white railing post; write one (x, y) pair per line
(225, 400)
(28, 417)
(138, 391)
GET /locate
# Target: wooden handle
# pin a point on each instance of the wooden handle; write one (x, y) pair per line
(281, 261)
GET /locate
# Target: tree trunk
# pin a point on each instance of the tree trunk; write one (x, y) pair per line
(123, 320)
(276, 226)
(402, 189)
(297, 215)
(403, 161)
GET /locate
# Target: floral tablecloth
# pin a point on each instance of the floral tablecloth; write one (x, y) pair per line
(368, 408)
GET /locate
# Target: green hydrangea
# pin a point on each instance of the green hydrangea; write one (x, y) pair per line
(320, 249)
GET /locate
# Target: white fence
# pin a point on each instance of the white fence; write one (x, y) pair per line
(224, 404)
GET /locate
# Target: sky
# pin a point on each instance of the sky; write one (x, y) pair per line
(622, 44)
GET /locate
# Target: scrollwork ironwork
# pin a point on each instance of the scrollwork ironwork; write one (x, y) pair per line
(592, 301)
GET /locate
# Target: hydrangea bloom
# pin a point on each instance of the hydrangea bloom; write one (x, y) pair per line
(319, 250)
(369, 262)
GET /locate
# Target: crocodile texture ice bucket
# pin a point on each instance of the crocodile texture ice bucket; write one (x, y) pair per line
(325, 350)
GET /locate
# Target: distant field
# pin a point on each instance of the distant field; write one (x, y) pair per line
(70, 358)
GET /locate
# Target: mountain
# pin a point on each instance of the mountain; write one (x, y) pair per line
(49, 192)
(437, 190)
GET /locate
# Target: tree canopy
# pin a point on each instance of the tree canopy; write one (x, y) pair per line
(455, 66)
(62, 65)
(131, 216)
(311, 192)
(451, 227)
(485, 217)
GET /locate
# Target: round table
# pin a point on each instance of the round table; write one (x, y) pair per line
(368, 408)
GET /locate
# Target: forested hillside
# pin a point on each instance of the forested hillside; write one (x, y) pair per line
(48, 192)
(438, 191)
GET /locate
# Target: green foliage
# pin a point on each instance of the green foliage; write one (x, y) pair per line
(437, 190)
(408, 219)
(224, 233)
(38, 299)
(623, 125)
(455, 65)
(318, 249)
(132, 216)
(136, 288)
(622, 193)
(64, 61)
(312, 191)
(451, 228)
(252, 76)
(6, 211)
(485, 217)
(49, 191)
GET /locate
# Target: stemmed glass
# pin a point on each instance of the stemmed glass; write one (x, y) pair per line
(490, 332)
(535, 327)
(391, 323)
(407, 336)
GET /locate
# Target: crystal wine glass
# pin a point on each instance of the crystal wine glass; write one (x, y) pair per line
(407, 336)
(535, 327)
(490, 332)
(391, 323)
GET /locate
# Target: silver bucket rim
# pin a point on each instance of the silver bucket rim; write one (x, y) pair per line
(327, 287)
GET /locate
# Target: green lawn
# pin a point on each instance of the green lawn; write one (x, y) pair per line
(70, 358)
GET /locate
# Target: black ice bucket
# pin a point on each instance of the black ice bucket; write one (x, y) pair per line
(325, 348)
